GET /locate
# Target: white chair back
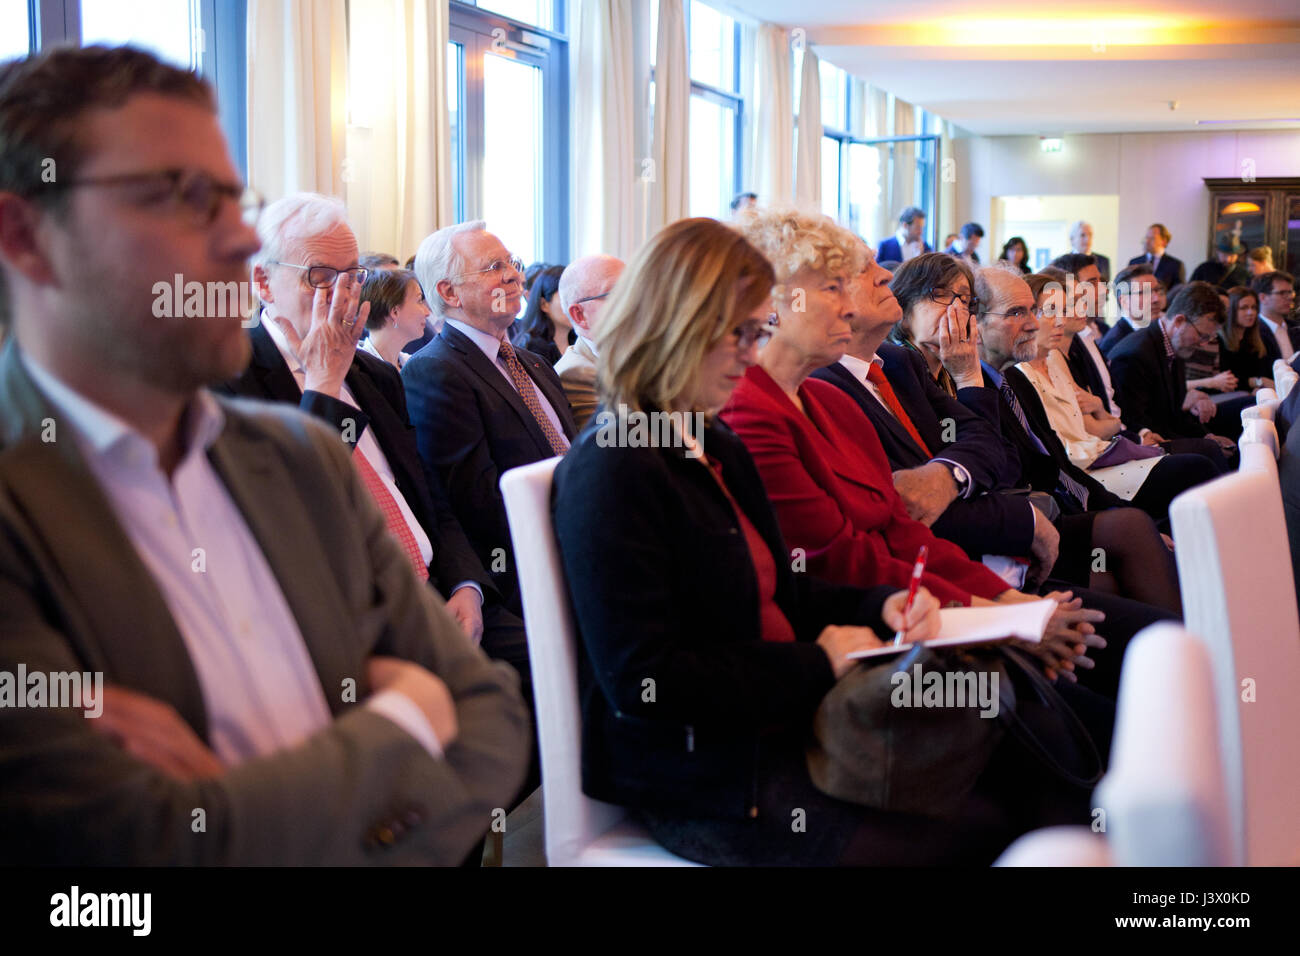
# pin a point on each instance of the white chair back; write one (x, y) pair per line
(1261, 433)
(579, 831)
(1164, 797)
(1234, 567)
(1284, 377)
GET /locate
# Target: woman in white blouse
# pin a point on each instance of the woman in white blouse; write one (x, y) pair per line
(1092, 442)
(397, 314)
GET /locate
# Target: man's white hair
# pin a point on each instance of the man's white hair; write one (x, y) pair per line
(578, 279)
(437, 259)
(285, 223)
(1076, 226)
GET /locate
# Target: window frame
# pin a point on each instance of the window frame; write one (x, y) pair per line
(223, 56)
(731, 99)
(472, 27)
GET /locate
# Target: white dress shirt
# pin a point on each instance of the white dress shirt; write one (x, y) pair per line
(368, 345)
(1282, 336)
(1090, 343)
(859, 370)
(367, 445)
(490, 345)
(260, 688)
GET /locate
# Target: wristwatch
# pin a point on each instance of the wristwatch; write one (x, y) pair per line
(959, 477)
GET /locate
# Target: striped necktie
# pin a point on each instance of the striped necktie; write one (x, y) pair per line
(397, 525)
(528, 392)
(1065, 483)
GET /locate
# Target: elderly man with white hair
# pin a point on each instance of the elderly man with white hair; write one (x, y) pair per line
(308, 257)
(479, 405)
(1081, 242)
(584, 289)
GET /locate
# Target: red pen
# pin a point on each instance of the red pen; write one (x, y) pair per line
(918, 571)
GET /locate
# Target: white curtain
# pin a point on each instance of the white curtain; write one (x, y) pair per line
(808, 177)
(669, 189)
(903, 191)
(398, 178)
(947, 183)
(773, 128)
(605, 168)
(296, 89)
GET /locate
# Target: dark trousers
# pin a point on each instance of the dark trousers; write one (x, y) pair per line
(504, 639)
(1173, 475)
(1015, 794)
(1124, 618)
(1204, 447)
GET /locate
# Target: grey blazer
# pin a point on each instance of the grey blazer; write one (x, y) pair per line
(74, 596)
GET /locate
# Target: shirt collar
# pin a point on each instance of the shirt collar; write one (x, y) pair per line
(1272, 326)
(103, 434)
(488, 344)
(994, 375)
(290, 356)
(859, 366)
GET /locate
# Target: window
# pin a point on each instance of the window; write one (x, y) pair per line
(834, 84)
(15, 29)
(716, 110)
(170, 29)
(538, 13)
(208, 36)
(508, 107)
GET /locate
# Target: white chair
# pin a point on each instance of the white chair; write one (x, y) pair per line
(1259, 432)
(1162, 801)
(1284, 377)
(1164, 796)
(580, 831)
(1265, 407)
(1234, 567)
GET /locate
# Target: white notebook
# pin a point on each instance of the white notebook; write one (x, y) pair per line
(980, 625)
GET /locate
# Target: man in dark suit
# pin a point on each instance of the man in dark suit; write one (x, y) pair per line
(1139, 297)
(968, 241)
(480, 407)
(950, 465)
(1225, 269)
(1276, 292)
(1148, 371)
(909, 242)
(279, 686)
(1169, 270)
(305, 239)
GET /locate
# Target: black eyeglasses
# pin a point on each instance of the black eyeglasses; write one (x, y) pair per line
(593, 298)
(755, 333)
(1019, 312)
(323, 277)
(196, 193)
(947, 297)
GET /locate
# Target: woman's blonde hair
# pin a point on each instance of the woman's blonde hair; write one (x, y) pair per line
(792, 239)
(1262, 254)
(681, 294)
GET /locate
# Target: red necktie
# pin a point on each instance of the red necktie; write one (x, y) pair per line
(528, 392)
(397, 525)
(876, 375)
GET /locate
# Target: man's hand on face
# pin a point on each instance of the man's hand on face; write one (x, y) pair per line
(327, 350)
(926, 491)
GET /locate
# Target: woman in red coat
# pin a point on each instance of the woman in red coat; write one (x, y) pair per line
(820, 458)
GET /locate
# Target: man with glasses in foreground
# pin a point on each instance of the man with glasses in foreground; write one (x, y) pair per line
(479, 405)
(1148, 371)
(277, 685)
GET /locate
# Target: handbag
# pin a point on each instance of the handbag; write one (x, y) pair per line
(873, 746)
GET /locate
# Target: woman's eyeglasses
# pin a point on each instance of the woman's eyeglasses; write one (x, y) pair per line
(755, 333)
(947, 297)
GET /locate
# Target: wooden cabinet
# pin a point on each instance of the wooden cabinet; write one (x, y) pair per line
(1264, 211)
